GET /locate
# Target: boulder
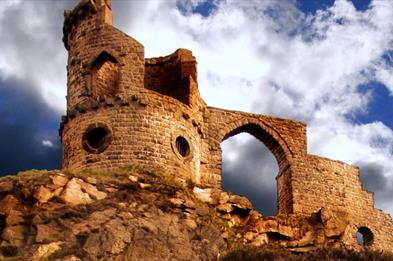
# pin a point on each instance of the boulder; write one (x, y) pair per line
(74, 195)
(91, 190)
(43, 194)
(334, 223)
(59, 180)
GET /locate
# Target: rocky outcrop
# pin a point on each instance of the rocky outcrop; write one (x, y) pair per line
(136, 214)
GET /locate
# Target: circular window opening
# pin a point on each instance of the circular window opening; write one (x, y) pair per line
(364, 236)
(96, 138)
(182, 146)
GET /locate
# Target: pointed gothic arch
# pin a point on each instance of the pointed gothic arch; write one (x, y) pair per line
(105, 76)
(277, 146)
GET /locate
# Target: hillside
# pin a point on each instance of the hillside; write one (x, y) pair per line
(146, 214)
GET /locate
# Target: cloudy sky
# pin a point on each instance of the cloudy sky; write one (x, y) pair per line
(324, 62)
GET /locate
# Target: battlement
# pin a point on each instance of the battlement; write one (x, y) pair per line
(102, 9)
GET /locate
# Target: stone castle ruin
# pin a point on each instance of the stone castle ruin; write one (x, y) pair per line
(123, 108)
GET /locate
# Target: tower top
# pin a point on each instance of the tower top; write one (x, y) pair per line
(99, 10)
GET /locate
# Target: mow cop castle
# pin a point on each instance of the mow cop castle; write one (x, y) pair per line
(123, 109)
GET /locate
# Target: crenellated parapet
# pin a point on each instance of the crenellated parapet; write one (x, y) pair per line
(85, 9)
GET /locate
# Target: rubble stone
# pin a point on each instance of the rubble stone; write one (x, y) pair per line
(73, 194)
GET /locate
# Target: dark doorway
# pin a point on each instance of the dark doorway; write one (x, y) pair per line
(249, 168)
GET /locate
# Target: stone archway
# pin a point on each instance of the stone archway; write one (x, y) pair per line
(249, 168)
(277, 147)
(263, 133)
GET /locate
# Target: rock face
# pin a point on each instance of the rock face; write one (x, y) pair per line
(141, 215)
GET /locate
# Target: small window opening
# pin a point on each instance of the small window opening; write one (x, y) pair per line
(105, 76)
(182, 146)
(96, 139)
(364, 236)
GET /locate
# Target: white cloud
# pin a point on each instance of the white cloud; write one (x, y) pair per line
(47, 143)
(31, 47)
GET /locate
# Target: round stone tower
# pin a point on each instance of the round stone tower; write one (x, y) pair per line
(123, 109)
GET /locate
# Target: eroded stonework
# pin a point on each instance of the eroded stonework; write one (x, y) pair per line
(123, 108)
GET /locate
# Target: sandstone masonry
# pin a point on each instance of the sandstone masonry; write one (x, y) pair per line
(123, 109)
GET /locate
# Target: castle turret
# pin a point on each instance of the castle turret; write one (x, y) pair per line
(100, 57)
(123, 109)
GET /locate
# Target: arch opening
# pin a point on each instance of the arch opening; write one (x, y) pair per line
(249, 168)
(364, 236)
(105, 76)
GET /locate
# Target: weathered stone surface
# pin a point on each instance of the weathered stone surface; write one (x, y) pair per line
(59, 179)
(91, 180)
(250, 236)
(14, 217)
(286, 231)
(240, 202)
(305, 240)
(73, 194)
(69, 258)
(178, 202)
(44, 251)
(13, 234)
(226, 207)
(43, 194)
(191, 223)
(133, 178)
(91, 190)
(335, 223)
(260, 240)
(47, 233)
(203, 195)
(144, 185)
(264, 226)
(165, 222)
(8, 203)
(6, 186)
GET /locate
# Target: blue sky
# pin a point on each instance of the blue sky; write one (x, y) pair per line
(327, 63)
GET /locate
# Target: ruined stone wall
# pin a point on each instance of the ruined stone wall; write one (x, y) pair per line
(169, 75)
(286, 140)
(324, 183)
(123, 109)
